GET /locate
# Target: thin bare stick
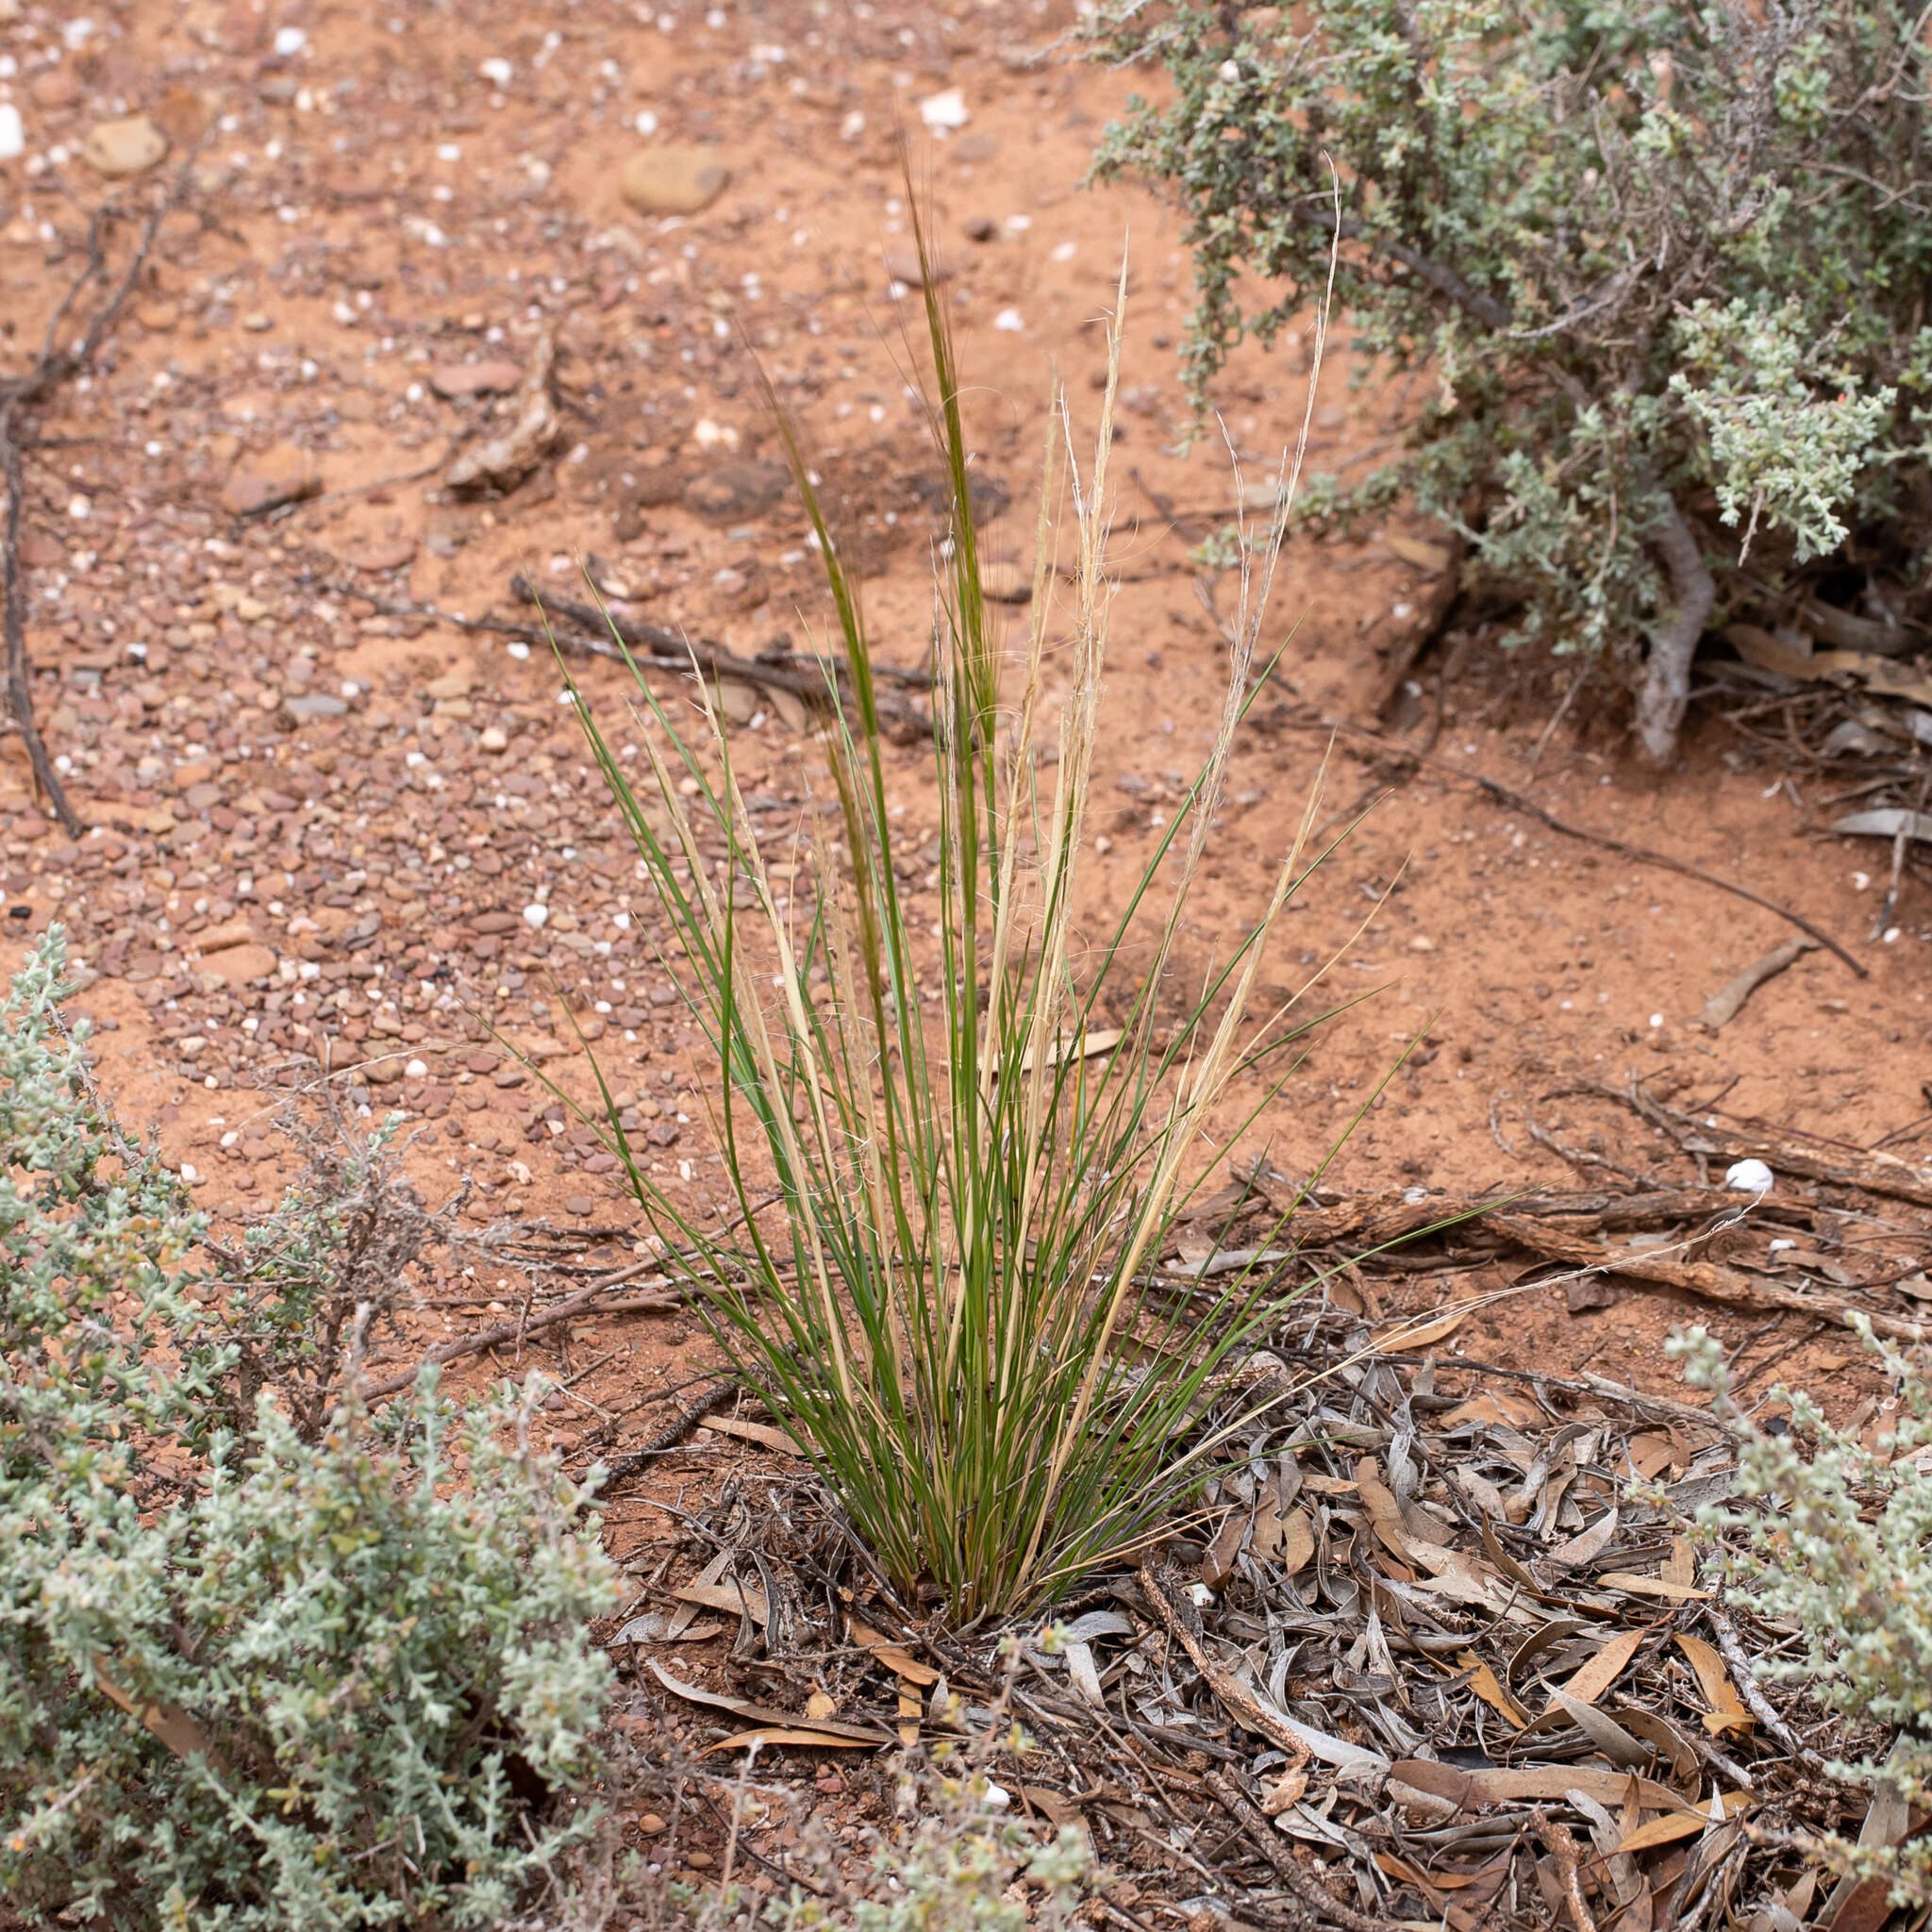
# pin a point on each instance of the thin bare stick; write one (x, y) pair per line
(584, 1300)
(52, 367)
(1642, 855)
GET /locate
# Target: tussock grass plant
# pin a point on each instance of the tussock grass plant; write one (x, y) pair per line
(951, 1312)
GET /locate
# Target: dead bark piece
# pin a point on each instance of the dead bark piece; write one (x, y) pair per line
(1565, 1856)
(1724, 1004)
(1876, 1172)
(1421, 628)
(1664, 694)
(505, 460)
(1706, 1279)
(1853, 633)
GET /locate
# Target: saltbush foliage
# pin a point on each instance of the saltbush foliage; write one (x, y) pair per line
(1834, 1536)
(1666, 261)
(249, 1680)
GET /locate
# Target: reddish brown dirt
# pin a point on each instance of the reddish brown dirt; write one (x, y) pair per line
(373, 214)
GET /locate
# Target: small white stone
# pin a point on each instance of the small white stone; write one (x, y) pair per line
(943, 113)
(12, 133)
(537, 916)
(497, 70)
(494, 738)
(449, 151)
(417, 1069)
(1202, 1596)
(1748, 1177)
(997, 1797)
(1010, 320)
(646, 121)
(189, 1174)
(290, 40)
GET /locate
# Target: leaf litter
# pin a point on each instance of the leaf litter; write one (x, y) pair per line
(1434, 1647)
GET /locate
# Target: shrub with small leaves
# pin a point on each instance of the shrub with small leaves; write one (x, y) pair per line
(1836, 1539)
(1666, 266)
(255, 1681)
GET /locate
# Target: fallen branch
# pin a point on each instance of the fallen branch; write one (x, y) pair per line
(53, 366)
(1707, 1280)
(1834, 1162)
(1166, 1593)
(584, 1299)
(811, 686)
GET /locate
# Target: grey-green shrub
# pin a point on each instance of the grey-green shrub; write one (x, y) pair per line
(1836, 1539)
(1666, 265)
(254, 1681)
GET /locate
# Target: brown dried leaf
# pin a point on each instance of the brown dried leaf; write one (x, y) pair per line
(1483, 1681)
(767, 1735)
(740, 1599)
(1727, 1712)
(1605, 1667)
(902, 1663)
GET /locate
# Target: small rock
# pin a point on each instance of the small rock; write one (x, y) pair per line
(945, 113)
(1748, 1177)
(290, 40)
(497, 70)
(12, 133)
(1011, 321)
(1005, 582)
(537, 916)
(316, 705)
(736, 490)
(55, 89)
(158, 318)
(673, 180)
(237, 965)
(494, 738)
(282, 475)
(651, 1825)
(417, 1069)
(579, 1205)
(699, 1861)
(130, 146)
(474, 378)
(389, 553)
(904, 266)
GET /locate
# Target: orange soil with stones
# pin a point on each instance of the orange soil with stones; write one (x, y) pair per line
(316, 826)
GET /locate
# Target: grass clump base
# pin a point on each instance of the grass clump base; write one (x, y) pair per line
(976, 1125)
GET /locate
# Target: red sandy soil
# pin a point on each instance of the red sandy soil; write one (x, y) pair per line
(373, 216)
